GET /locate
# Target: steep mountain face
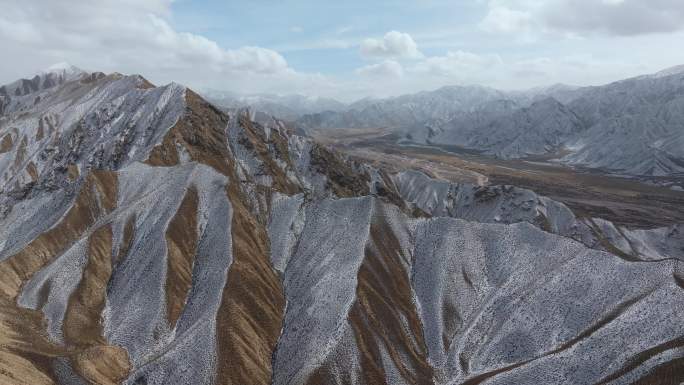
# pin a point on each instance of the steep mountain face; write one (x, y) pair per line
(146, 237)
(632, 127)
(508, 132)
(463, 124)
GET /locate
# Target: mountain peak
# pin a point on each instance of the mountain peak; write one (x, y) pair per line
(670, 71)
(63, 68)
(50, 77)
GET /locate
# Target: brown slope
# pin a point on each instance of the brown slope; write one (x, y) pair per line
(181, 241)
(81, 320)
(24, 346)
(15, 369)
(342, 179)
(96, 361)
(265, 149)
(252, 310)
(21, 153)
(384, 301)
(96, 198)
(663, 374)
(40, 134)
(669, 373)
(200, 132)
(384, 319)
(126, 242)
(32, 171)
(25, 351)
(250, 316)
(6, 144)
(102, 364)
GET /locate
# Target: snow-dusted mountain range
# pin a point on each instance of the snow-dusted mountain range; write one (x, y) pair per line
(633, 127)
(148, 237)
(408, 111)
(286, 107)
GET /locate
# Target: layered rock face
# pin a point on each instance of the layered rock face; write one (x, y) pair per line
(148, 238)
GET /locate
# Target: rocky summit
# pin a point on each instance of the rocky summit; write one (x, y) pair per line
(149, 237)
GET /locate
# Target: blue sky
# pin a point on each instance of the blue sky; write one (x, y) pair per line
(319, 35)
(346, 50)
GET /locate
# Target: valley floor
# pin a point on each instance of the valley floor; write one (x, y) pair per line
(628, 202)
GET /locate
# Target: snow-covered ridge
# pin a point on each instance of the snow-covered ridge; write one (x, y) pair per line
(64, 68)
(676, 70)
(52, 76)
(93, 122)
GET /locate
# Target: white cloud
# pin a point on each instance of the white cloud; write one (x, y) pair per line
(578, 69)
(139, 36)
(20, 32)
(386, 69)
(393, 45)
(189, 49)
(614, 17)
(571, 17)
(457, 65)
(135, 36)
(469, 68)
(501, 19)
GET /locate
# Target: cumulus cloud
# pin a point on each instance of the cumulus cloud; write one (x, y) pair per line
(577, 69)
(189, 49)
(134, 36)
(460, 67)
(611, 17)
(617, 17)
(139, 36)
(386, 69)
(501, 19)
(391, 77)
(393, 45)
(457, 65)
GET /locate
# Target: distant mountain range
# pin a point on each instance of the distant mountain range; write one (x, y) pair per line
(633, 127)
(286, 107)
